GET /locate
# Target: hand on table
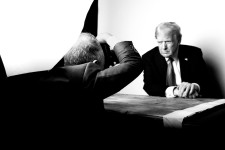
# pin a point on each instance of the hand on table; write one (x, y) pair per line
(187, 90)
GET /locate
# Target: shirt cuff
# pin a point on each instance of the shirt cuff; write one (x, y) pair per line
(169, 92)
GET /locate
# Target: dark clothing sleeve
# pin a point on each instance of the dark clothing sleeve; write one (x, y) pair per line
(154, 80)
(196, 70)
(113, 79)
(86, 85)
(99, 84)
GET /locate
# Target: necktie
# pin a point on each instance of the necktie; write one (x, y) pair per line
(170, 76)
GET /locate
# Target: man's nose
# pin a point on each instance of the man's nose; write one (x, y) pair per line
(164, 45)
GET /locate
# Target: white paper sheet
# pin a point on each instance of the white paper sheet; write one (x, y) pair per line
(35, 34)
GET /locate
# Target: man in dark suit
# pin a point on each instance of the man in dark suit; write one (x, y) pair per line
(69, 99)
(188, 65)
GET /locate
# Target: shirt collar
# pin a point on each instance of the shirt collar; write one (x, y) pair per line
(174, 58)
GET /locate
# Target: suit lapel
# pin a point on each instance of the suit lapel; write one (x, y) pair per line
(162, 65)
(184, 62)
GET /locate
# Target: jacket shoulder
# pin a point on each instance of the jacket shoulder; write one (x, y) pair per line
(190, 48)
(151, 52)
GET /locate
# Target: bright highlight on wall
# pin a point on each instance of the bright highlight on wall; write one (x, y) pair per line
(36, 34)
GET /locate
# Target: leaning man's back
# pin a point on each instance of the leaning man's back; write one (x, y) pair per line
(68, 99)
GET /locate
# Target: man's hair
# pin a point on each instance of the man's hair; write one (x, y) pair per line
(86, 49)
(175, 28)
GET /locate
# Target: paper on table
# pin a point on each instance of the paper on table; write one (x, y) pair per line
(175, 119)
(35, 35)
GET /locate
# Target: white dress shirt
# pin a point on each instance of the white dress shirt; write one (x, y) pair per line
(176, 66)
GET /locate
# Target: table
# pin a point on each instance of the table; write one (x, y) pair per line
(162, 112)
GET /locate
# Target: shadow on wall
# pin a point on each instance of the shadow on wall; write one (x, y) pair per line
(214, 83)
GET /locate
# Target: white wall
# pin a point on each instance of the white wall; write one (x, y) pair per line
(202, 24)
(35, 34)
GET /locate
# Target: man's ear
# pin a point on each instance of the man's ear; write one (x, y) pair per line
(180, 39)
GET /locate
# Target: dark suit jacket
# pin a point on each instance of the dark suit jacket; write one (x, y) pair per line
(192, 66)
(69, 97)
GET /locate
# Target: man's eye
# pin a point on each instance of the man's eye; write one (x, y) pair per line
(169, 42)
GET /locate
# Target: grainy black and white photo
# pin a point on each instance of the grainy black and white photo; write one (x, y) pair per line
(110, 73)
